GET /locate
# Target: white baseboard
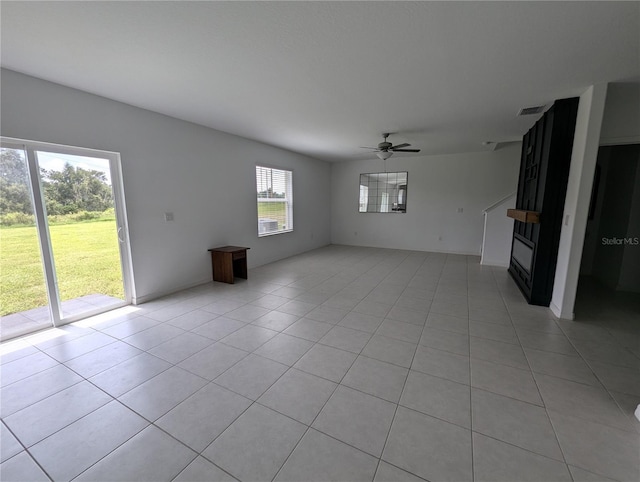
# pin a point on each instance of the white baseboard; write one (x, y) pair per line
(620, 141)
(567, 315)
(439, 251)
(493, 262)
(159, 294)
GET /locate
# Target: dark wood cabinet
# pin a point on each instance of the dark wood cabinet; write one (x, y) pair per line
(542, 186)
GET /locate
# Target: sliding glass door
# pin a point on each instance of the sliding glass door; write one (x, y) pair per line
(77, 216)
(24, 304)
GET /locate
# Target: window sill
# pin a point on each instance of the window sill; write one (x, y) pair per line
(263, 235)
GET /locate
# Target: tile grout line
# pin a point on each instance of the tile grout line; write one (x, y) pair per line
(256, 402)
(384, 446)
(25, 450)
(389, 270)
(544, 404)
(471, 424)
(320, 411)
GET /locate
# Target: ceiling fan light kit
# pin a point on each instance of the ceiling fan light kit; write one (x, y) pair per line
(386, 149)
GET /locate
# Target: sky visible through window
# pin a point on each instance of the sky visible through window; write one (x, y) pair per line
(55, 162)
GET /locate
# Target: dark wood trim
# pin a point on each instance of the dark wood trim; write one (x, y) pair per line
(524, 216)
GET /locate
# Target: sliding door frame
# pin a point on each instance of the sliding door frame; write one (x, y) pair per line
(31, 149)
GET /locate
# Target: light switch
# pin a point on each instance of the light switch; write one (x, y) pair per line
(168, 217)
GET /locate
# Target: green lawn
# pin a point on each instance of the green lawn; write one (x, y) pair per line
(273, 210)
(87, 262)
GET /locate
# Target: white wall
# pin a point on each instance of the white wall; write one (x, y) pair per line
(205, 177)
(621, 118)
(498, 233)
(437, 186)
(576, 204)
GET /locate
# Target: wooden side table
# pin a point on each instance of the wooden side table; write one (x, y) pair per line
(228, 262)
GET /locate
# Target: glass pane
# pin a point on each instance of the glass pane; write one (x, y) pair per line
(83, 231)
(384, 202)
(386, 192)
(392, 178)
(24, 306)
(364, 198)
(275, 200)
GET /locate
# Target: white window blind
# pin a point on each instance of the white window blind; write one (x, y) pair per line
(275, 200)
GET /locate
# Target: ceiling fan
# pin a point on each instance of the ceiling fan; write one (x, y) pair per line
(385, 149)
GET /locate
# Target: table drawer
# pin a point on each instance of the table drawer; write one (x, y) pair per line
(239, 255)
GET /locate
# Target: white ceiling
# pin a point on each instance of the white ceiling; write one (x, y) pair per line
(322, 78)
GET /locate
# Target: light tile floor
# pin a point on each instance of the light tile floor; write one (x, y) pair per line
(342, 364)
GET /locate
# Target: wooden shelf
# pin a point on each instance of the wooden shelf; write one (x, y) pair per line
(532, 217)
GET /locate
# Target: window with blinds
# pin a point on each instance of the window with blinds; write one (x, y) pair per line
(275, 200)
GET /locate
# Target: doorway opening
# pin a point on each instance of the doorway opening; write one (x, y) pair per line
(609, 284)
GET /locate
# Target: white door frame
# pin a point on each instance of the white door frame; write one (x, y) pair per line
(39, 206)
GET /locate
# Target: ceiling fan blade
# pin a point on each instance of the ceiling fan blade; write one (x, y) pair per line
(406, 150)
(400, 146)
(374, 148)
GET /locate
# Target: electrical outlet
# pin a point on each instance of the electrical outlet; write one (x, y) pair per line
(460, 210)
